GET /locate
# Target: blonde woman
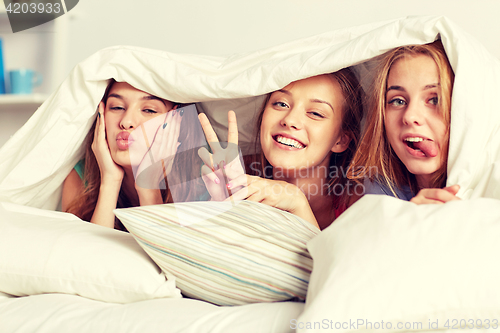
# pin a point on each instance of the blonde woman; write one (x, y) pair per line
(408, 127)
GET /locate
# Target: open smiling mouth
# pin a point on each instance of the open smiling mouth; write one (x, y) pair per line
(421, 147)
(288, 142)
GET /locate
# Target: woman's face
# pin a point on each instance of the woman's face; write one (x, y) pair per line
(413, 122)
(126, 109)
(301, 124)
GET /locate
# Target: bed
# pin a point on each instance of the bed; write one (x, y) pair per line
(384, 264)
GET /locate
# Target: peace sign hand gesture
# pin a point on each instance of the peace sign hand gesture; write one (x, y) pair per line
(223, 164)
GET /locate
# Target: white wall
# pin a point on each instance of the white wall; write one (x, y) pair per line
(219, 27)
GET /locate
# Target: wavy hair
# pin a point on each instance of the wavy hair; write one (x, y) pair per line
(84, 205)
(352, 110)
(374, 150)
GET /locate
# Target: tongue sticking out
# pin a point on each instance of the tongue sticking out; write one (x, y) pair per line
(429, 148)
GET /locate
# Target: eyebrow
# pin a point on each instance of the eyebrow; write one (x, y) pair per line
(322, 101)
(314, 100)
(151, 97)
(115, 96)
(399, 88)
(147, 98)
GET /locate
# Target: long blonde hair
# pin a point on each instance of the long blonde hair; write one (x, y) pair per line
(374, 150)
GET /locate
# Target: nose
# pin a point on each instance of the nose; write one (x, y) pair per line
(292, 119)
(414, 114)
(129, 120)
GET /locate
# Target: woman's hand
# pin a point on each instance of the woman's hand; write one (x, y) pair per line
(154, 148)
(110, 171)
(111, 175)
(223, 165)
(275, 193)
(436, 195)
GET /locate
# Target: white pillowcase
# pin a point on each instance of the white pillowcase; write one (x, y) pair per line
(52, 252)
(226, 253)
(390, 260)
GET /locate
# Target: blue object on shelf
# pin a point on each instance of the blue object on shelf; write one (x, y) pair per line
(2, 70)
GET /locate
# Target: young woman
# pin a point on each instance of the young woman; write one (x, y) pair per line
(135, 135)
(408, 126)
(307, 133)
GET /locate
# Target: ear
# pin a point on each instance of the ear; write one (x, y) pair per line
(342, 143)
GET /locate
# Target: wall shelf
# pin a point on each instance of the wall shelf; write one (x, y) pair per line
(42, 48)
(33, 100)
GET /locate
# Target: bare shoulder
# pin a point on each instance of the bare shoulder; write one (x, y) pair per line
(72, 186)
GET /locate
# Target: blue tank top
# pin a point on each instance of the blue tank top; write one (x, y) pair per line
(80, 168)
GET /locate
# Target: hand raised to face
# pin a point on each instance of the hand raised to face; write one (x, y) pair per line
(110, 171)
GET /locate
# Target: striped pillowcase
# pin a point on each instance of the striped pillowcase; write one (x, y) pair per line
(226, 253)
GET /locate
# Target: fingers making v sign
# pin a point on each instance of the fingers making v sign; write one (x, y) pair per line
(222, 165)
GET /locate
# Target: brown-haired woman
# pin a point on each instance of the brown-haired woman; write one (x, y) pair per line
(307, 133)
(106, 178)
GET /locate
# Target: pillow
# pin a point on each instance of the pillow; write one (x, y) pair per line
(393, 266)
(53, 252)
(229, 253)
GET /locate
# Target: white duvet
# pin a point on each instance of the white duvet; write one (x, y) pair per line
(36, 160)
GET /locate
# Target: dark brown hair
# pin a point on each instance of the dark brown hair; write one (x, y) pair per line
(84, 205)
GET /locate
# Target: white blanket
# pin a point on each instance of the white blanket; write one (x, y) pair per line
(54, 313)
(36, 160)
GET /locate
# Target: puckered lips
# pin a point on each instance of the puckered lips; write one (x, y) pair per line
(124, 140)
(420, 146)
(287, 142)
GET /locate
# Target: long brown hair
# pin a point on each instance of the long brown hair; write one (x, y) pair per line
(352, 110)
(84, 205)
(374, 150)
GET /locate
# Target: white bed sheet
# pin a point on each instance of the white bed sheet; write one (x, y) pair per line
(54, 313)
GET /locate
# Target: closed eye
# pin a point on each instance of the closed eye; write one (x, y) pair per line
(316, 114)
(117, 108)
(149, 111)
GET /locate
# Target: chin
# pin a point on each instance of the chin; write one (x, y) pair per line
(281, 165)
(122, 158)
(423, 171)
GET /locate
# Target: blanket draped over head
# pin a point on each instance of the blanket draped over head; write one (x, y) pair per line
(37, 159)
